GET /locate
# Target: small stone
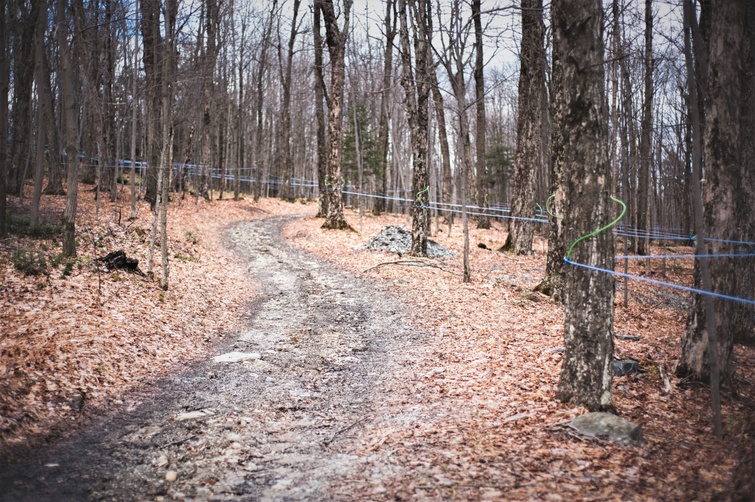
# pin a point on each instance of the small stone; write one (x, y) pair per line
(171, 476)
(162, 461)
(234, 357)
(191, 415)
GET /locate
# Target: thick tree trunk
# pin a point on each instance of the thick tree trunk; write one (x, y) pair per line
(336, 41)
(4, 89)
(69, 115)
(587, 371)
(417, 91)
(529, 145)
(152, 40)
(744, 328)
(724, 179)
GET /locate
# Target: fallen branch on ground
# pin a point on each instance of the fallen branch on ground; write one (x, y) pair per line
(409, 263)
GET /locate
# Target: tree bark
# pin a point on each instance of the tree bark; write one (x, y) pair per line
(23, 78)
(385, 97)
(68, 106)
(417, 90)
(286, 162)
(723, 182)
(322, 147)
(586, 373)
(42, 115)
(134, 109)
(261, 67)
(56, 170)
(646, 139)
(483, 181)
(151, 40)
(440, 118)
(4, 89)
(529, 145)
(744, 331)
(335, 38)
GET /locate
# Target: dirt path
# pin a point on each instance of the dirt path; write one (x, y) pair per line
(277, 416)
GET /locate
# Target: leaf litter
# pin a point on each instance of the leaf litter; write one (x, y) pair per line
(472, 416)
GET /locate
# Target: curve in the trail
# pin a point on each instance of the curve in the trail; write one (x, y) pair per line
(273, 415)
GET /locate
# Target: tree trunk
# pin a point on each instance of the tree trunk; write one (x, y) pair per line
(440, 118)
(723, 182)
(134, 109)
(587, 370)
(646, 140)
(4, 89)
(286, 162)
(261, 67)
(322, 148)
(42, 115)
(417, 93)
(744, 331)
(483, 182)
(152, 40)
(529, 145)
(23, 79)
(166, 156)
(336, 41)
(69, 115)
(385, 97)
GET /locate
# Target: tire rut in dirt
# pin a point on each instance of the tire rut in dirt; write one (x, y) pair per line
(280, 421)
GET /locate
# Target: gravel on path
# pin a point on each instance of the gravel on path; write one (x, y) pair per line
(275, 414)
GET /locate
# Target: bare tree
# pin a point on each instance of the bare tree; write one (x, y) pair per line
(42, 114)
(455, 59)
(581, 117)
(417, 90)
(708, 338)
(23, 79)
(4, 88)
(69, 115)
(529, 144)
(385, 97)
(483, 221)
(284, 145)
(259, 105)
(336, 38)
(646, 139)
(320, 99)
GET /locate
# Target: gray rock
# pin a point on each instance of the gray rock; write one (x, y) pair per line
(621, 368)
(606, 424)
(395, 239)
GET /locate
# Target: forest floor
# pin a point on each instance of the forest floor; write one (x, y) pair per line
(358, 374)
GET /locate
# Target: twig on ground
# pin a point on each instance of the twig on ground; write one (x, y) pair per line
(342, 430)
(410, 263)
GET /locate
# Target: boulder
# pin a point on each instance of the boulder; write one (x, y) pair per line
(608, 425)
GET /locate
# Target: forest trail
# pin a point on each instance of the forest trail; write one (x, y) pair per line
(277, 416)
